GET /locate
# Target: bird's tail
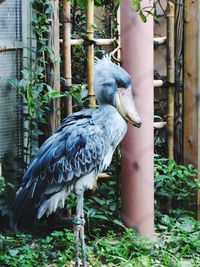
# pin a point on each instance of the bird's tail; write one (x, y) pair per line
(23, 210)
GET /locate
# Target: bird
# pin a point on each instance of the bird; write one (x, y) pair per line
(80, 149)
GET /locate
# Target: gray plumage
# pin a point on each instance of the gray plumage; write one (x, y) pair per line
(81, 148)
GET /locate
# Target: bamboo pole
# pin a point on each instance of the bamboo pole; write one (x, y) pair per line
(90, 52)
(67, 52)
(103, 42)
(170, 76)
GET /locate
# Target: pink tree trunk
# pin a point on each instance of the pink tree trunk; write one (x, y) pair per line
(137, 147)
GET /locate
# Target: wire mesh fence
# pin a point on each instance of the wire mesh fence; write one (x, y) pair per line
(10, 20)
(10, 67)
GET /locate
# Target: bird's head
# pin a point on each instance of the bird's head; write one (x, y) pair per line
(112, 85)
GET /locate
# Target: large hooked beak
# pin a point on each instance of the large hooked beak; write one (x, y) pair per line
(124, 102)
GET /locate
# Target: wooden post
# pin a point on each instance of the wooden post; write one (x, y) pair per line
(191, 138)
(137, 185)
(53, 65)
(119, 34)
(90, 52)
(170, 77)
(67, 52)
(178, 122)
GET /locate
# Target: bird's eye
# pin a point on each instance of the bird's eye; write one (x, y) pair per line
(120, 84)
(107, 85)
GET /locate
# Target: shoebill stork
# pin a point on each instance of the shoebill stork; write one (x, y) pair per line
(81, 148)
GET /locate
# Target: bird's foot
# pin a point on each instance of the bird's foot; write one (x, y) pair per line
(79, 235)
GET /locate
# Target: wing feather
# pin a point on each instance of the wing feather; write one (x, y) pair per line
(77, 148)
(81, 145)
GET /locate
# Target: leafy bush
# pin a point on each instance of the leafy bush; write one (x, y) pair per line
(174, 182)
(109, 242)
(177, 244)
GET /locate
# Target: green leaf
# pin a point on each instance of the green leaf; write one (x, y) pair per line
(143, 17)
(13, 252)
(53, 94)
(82, 3)
(84, 93)
(13, 82)
(119, 223)
(99, 216)
(26, 73)
(57, 234)
(136, 4)
(100, 201)
(49, 88)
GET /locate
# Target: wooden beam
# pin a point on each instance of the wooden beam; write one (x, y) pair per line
(159, 40)
(158, 83)
(119, 34)
(8, 45)
(178, 122)
(102, 42)
(105, 175)
(191, 138)
(159, 125)
(170, 77)
(53, 66)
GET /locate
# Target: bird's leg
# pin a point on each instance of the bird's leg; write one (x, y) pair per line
(82, 238)
(79, 228)
(76, 239)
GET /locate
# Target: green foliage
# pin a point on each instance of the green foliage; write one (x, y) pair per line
(36, 94)
(151, 10)
(25, 250)
(174, 181)
(137, 6)
(177, 244)
(3, 185)
(109, 243)
(101, 208)
(79, 94)
(33, 87)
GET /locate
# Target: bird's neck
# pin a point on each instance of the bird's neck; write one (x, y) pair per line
(112, 115)
(115, 124)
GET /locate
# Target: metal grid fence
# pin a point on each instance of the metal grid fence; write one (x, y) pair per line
(10, 66)
(10, 20)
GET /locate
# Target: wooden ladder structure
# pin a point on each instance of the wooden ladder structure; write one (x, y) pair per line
(68, 42)
(169, 40)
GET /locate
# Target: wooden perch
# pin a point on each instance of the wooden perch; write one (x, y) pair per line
(160, 124)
